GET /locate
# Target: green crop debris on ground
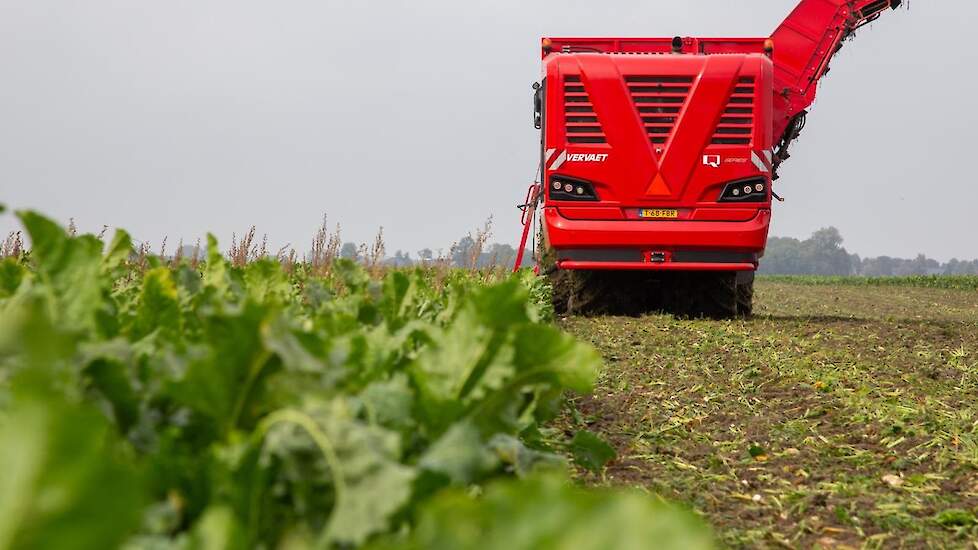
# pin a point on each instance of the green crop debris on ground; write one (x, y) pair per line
(842, 415)
(960, 282)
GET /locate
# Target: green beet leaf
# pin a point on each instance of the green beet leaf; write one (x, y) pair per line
(218, 529)
(62, 486)
(35, 350)
(543, 351)
(360, 463)
(110, 376)
(548, 513)
(159, 306)
(118, 252)
(521, 459)
(590, 451)
(225, 379)
(460, 455)
(310, 407)
(266, 282)
(70, 268)
(390, 403)
(12, 274)
(470, 359)
(399, 291)
(216, 270)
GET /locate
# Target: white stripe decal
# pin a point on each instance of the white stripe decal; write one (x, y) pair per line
(559, 161)
(758, 162)
(549, 155)
(769, 156)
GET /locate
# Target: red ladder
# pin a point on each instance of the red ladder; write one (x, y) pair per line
(528, 213)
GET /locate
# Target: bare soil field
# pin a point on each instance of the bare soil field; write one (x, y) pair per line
(839, 416)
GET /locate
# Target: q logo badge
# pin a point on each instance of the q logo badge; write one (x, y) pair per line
(712, 161)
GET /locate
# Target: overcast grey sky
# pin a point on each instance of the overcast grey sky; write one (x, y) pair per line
(182, 116)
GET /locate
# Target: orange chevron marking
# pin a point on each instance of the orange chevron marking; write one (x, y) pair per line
(658, 187)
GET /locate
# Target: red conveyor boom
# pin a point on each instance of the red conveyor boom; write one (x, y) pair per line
(804, 45)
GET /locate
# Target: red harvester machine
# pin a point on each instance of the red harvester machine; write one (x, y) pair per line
(658, 157)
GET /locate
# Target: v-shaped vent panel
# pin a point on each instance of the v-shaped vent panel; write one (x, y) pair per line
(582, 122)
(659, 100)
(737, 125)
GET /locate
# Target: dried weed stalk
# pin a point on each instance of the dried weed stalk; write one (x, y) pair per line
(479, 241)
(195, 261)
(248, 249)
(142, 257)
(375, 256)
(178, 257)
(325, 249)
(441, 266)
(245, 251)
(287, 257)
(12, 246)
(163, 249)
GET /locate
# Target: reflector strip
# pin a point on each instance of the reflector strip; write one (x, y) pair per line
(758, 162)
(559, 161)
(549, 155)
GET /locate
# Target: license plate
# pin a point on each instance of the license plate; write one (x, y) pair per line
(659, 214)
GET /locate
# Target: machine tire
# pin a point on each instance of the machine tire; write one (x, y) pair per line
(593, 293)
(700, 294)
(590, 293)
(711, 294)
(723, 298)
(745, 295)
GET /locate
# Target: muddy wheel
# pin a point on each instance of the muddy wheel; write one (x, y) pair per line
(591, 293)
(636, 293)
(706, 294)
(586, 293)
(722, 296)
(745, 294)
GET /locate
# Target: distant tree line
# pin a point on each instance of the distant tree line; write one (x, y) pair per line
(823, 254)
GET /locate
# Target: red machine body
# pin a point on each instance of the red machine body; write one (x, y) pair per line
(660, 153)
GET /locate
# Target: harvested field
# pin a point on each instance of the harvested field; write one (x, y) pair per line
(840, 416)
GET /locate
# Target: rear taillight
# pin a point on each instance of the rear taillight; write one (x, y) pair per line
(562, 188)
(751, 190)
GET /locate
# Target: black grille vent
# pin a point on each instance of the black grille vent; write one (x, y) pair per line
(736, 126)
(582, 122)
(659, 100)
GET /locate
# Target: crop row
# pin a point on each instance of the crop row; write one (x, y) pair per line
(161, 405)
(950, 282)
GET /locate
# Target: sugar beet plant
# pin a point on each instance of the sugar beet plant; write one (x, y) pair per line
(172, 407)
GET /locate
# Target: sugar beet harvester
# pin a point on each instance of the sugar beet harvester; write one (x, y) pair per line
(658, 157)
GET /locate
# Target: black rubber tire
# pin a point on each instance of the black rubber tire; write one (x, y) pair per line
(745, 295)
(592, 293)
(722, 296)
(703, 294)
